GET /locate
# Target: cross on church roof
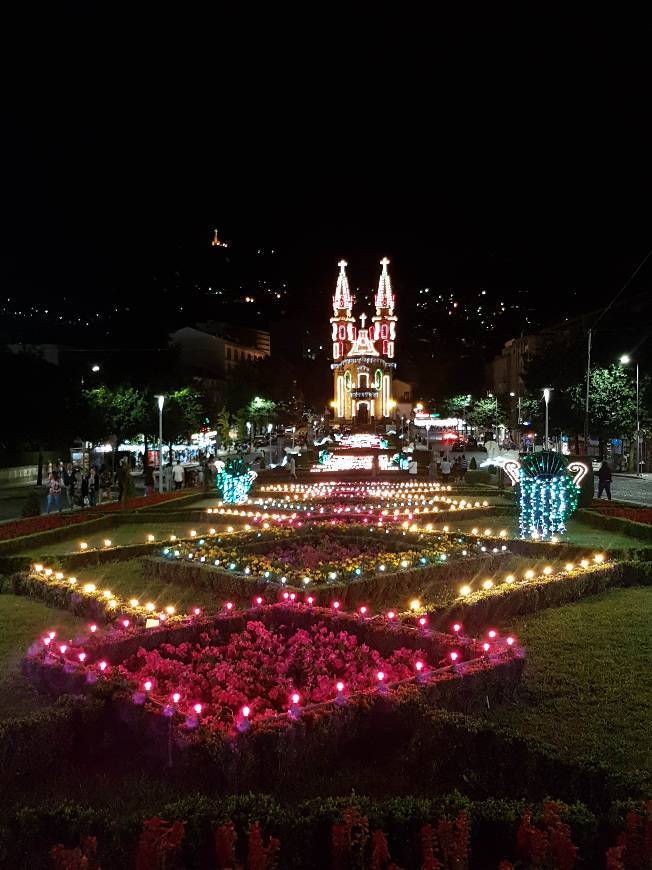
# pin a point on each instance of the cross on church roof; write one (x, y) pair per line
(384, 262)
(363, 319)
(342, 263)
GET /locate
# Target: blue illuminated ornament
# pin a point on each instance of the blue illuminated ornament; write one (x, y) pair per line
(549, 494)
(234, 480)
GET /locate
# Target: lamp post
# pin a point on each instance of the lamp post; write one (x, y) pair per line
(495, 398)
(161, 402)
(625, 360)
(546, 396)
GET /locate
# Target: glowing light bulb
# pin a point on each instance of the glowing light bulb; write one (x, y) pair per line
(336, 605)
(259, 600)
(492, 633)
(245, 712)
(418, 666)
(584, 563)
(197, 708)
(63, 648)
(363, 610)
(569, 566)
(529, 574)
(148, 685)
(102, 665)
(133, 602)
(454, 656)
(391, 614)
(296, 698)
(193, 533)
(509, 578)
(510, 641)
(547, 570)
(92, 628)
(107, 542)
(125, 622)
(150, 606)
(83, 545)
(598, 558)
(229, 605)
(415, 604)
(339, 686)
(486, 647)
(310, 599)
(150, 538)
(176, 697)
(170, 610)
(89, 588)
(197, 611)
(457, 627)
(380, 676)
(423, 621)
(47, 640)
(487, 584)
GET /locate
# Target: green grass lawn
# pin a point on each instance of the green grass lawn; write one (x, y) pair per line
(122, 536)
(578, 533)
(22, 620)
(588, 680)
(126, 580)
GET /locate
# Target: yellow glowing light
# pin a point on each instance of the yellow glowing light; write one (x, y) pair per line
(150, 538)
(474, 531)
(503, 533)
(38, 567)
(107, 542)
(133, 602)
(487, 531)
(173, 537)
(465, 590)
(108, 593)
(598, 558)
(487, 584)
(149, 606)
(509, 578)
(193, 533)
(89, 587)
(529, 574)
(569, 566)
(265, 525)
(211, 531)
(47, 572)
(229, 528)
(445, 528)
(547, 570)
(113, 604)
(170, 610)
(58, 575)
(83, 545)
(584, 563)
(415, 604)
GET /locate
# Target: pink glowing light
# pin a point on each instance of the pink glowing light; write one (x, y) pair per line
(336, 605)
(197, 611)
(93, 629)
(197, 708)
(454, 656)
(492, 633)
(457, 627)
(63, 648)
(418, 666)
(47, 640)
(363, 610)
(176, 697)
(296, 697)
(259, 600)
(286, 595)
(391, 614)
(423, 621)
(229, 605)
(82, 657)
(245, 712)
(339, 686)
(486, 647)
(510, 641)
(310, 600)
(292, 596)
(381, 676)
(148, 685)
(102, 666)
(125, 622)
(52, 635)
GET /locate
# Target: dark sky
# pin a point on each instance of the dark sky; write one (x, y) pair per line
(506, 153)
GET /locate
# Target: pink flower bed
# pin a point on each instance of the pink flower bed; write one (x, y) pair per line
(326, 551)
(262, 668)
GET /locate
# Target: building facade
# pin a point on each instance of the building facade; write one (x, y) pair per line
(363, 357)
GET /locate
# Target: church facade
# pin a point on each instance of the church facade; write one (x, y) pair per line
(363, 357)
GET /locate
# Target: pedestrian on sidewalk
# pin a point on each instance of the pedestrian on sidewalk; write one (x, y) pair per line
(464, 467)
(445, 469)
(292, 466)
(93, 486)
(54, 491)
(604, 480)
(72, 487)
(148, 474)
(375, 465)
(106, 482)
(178, 475)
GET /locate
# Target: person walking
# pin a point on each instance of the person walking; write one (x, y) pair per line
(292, 466)
(93, 486)
(604, 480)
(464, 467)
(54, 491)
(178, 475)
(72, 487)
(148, 475)
(445, 469)
(375, 465)
(432, 467)
(106, 482)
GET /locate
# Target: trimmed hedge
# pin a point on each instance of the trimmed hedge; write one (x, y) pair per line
(304, 829)
(642, 531)
(502, 604)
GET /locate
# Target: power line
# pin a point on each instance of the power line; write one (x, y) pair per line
(624, 287)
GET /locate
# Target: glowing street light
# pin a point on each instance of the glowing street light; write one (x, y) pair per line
(546, 396)
(161, 402)
(625, 361)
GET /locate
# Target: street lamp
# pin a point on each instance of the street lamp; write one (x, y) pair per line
(546, 396)
(248, 425)
(95, 368)
(495, 398)
(625, 361)
(161, 402)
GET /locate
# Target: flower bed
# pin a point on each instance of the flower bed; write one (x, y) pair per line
(636, 514)
(273, 663)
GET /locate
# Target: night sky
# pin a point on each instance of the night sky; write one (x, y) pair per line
(499, 157)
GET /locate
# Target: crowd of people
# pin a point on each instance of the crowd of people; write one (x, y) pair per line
(442, 467)
(68, 486)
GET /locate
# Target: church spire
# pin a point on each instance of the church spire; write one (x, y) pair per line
(384, 296)
(342, 299)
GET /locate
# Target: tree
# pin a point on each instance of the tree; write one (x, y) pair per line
(612, 403)
(457, 406)
(224, 426)
(183, 414)
(118, 412)
(483, 414)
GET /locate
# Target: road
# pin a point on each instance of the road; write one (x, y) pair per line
(13, 498)
(637, 490)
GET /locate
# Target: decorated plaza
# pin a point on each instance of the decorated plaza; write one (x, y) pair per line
(334, 654)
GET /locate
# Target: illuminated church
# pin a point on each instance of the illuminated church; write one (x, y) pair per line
(363, 358)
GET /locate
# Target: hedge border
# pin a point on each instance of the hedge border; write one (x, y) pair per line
(631, 528)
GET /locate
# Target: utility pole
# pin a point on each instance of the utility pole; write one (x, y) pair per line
(586, 405)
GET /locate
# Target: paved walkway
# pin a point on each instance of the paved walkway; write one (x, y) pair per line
(626, 487)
